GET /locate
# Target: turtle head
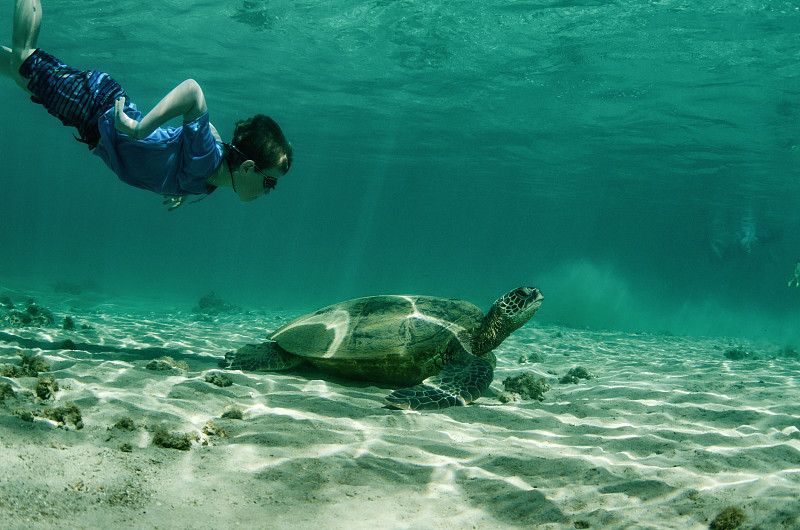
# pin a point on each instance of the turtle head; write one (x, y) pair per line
(518, 306)
(509, 313)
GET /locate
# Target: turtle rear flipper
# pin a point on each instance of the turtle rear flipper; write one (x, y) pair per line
(457, 384)
(264, 357)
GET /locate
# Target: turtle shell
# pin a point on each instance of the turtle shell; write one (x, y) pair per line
(379, 327)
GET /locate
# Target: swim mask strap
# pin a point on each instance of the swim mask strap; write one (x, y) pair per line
(232, 148)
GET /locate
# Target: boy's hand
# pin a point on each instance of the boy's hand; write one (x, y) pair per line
(124, 123)
(173, 202)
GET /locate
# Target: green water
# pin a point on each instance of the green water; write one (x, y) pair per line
(614, 154)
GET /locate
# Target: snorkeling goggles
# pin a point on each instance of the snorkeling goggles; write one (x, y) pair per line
(269, 182)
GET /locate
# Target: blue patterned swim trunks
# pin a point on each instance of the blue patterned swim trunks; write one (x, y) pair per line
(76, 97)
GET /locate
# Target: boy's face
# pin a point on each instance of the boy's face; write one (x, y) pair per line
(252, 183)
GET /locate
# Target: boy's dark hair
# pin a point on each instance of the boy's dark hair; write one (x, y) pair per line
(261, 139)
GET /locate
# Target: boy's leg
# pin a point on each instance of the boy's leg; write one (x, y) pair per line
(27, 20)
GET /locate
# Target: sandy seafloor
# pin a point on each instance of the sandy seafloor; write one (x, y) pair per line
(667, 434)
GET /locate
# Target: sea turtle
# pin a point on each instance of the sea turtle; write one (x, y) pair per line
(439, 348)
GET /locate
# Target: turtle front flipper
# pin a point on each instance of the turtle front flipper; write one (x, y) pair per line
(457, 384)
(264, 357)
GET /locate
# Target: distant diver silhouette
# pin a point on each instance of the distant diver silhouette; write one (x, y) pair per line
(796, 278)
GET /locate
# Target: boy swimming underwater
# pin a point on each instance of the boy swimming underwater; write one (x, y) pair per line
(173, 161)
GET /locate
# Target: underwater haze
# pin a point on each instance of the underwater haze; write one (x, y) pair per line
(639, 162)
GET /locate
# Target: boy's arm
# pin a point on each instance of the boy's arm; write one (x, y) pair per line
(186, 99)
